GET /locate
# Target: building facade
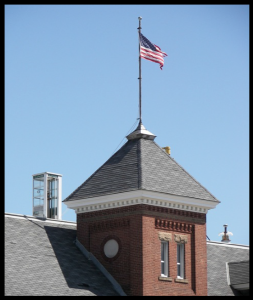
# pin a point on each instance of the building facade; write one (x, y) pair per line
(144, 219)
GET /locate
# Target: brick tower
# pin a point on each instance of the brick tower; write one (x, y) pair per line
(144, 218)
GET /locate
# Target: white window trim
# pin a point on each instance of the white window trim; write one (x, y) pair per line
(165, 244)
(181, 262)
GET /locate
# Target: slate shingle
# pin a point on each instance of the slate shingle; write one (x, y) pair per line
(239, 272)
(161, 173)
(141, 164)
(41, 259)
(217, 256)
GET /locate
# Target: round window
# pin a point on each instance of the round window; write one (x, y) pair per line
(111, 248)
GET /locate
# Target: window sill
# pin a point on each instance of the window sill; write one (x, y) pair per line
(181, 280)
(165, 278)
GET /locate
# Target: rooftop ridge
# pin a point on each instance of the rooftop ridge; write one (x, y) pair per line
(246, 247)
(238, 262)
(139, 166)
(20, 216)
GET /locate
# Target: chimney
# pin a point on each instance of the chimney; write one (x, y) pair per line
(225, 235)
(167, 149)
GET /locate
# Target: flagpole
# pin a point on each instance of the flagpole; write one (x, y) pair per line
(139, 70)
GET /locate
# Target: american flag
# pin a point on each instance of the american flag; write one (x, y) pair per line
(151, 51)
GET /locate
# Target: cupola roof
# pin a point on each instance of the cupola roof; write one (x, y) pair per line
(140, 164)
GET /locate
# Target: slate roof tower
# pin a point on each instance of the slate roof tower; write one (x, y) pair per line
(144, 218)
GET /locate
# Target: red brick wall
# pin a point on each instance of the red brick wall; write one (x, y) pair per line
(152, 263)
(94, 228)
(201, 259)
(138, 265)
(119, 268)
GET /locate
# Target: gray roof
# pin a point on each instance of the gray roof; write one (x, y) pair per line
(41, 259)
(218, 255)
(140, 164)
(239, 273)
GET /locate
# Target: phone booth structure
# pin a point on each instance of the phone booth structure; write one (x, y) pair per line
(47, 195)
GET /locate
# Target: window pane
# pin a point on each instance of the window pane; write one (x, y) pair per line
(180, 260)
(38, 195)
(178, 254)
(52, 187)
(178, 270)
(164, 258)
(162, 268)
(162, 251)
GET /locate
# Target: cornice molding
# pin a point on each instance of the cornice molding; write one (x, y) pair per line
(174, 226)
(141, 197)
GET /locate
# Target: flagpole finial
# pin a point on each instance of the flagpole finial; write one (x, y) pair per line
(139, 18)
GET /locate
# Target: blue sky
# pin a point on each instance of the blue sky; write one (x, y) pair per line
(72, 95)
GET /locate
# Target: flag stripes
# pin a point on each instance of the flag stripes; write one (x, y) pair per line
(151, 51)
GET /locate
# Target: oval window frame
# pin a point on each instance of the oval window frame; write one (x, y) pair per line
(108, 238)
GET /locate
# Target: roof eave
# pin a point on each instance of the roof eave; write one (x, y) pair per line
(141, 197)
